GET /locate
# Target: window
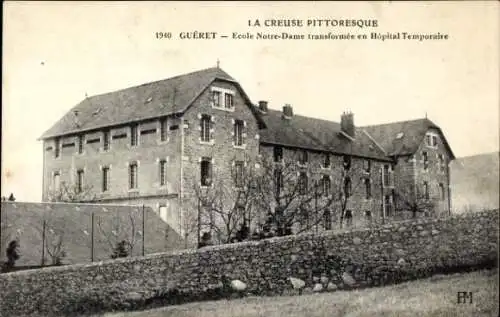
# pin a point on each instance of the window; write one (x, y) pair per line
(387, 176)
(426, 190)
(441, 191)
(105, 179)
(238, 132)
(205, 128)
(80, 144)
(388, 205)
(326, 160)
(238, 173)
(228, 101)
(431, 140)
(163, 129)
(367, 165)
(163, 172)
(56, 184)
(442, 163)
(206, 171)
(347, 162)
(132, 175)
(79, 181)
(216, 98)
(425, 157)
(278, 153)
(302, 183)
(303, 158)
(57, 147)
(368, 215)
(325, 185)
(278, 181)
(327, 219)
(347, 187)
(134, 135)
(163, 212)
(428, 140)
(105, 140)
(348, 217)
(368, 188)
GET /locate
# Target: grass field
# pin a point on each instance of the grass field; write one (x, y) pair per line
(436, 296)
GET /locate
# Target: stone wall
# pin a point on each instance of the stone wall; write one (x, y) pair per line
(339, 260)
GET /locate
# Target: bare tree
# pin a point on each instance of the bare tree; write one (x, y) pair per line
(226, 207)
(119, 232)
(293, 195)
(51, 230)
(414, 201)
(54, 244)
(72, 193)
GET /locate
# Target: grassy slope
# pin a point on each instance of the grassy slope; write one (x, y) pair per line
(436, 296)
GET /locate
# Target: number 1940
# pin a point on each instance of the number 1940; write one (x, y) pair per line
(163, 35)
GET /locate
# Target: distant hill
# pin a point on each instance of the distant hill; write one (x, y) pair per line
(475, 182)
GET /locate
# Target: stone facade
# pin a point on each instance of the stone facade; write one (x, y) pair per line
(178, 158)
(340, 260)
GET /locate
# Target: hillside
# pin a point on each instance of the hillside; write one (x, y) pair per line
(475, 182)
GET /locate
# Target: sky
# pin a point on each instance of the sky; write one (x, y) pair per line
(56, 53)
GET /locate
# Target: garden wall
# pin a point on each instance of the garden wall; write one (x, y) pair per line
(338, 260)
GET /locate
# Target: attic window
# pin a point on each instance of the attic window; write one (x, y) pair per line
(400, 135)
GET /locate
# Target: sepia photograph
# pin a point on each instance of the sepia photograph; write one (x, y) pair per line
(227, 158)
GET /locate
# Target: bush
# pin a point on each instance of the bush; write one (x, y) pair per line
(121, 250)
(12, 253)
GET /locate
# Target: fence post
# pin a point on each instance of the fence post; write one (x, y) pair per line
(43, 243)
(1, 241)
(92, 238)
(143, 230)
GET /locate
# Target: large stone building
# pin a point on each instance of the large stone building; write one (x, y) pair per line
(153, 144)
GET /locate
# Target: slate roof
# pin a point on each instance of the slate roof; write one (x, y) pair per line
(175, 95)
(412, 135)
(151, 100)
(316, 134)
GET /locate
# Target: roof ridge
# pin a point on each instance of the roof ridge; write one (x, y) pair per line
(395, 122)
(156, 81)
(307, 117)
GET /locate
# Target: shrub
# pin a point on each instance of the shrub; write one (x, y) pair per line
(12, 253)
(121, 250)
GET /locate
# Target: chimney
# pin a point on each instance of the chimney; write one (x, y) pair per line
(287, 111)
(347, 124)
(263, 106)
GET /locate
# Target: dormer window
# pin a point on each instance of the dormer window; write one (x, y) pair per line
(431, 140)
(228, 101)
(223, 98)
(216, 98)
